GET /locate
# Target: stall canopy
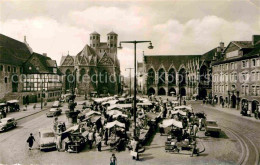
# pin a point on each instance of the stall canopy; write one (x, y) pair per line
(172, 122)
(116, 113)
(144, 104)
(114, 123)
(72, 129)
(92, 113)
(114, 107)
(179, 112)
(13, 101)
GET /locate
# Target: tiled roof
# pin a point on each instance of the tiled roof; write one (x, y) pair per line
(94, 33)
(167, 60)
(208, 56)
(12, 51)
(112, 33)
(243, 44)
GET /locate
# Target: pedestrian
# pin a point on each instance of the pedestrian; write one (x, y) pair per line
(30, 141)
(195, 130)
(90, 139)
(106, 136)
(98, 142)
(113, 160)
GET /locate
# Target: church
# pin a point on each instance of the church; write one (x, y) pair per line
(95, 69)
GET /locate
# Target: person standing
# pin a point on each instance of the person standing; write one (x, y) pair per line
(90, 139)
(30, 141)
(98, 142)
(113, 160)
(106, 136)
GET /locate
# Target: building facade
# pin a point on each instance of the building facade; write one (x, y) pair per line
(236, 75)
(96, 68)
(25, 75)
(178, 75)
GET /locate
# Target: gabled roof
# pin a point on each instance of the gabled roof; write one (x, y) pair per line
(12, 51)
(208, 56)
(243, 44)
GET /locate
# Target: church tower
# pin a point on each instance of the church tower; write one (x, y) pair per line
(112, 41)
(94, 40)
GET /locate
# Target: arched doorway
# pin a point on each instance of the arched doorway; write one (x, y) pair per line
(183, 92)
(171, 77)
(244, 105)
(151, 91)
(182, 77)
(151, 77)
(233, 101)
(172, 92)
(161, 91)
(161, 76)
(254, 106)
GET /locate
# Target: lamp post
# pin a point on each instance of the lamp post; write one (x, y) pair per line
(130, 80)
(120, 47)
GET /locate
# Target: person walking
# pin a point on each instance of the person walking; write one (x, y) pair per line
(90, 139)
(113, 160)
(106, 136)
(30, 141)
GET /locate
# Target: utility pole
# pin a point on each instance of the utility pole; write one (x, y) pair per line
(130, 80)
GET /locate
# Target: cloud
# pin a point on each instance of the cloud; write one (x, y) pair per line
(198, 36)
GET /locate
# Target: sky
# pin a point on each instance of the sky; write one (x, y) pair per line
(175, 27)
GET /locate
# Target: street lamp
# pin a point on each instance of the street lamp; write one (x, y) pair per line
(120, 47)
(130, 79)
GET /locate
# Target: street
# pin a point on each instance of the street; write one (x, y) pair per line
(233, 147)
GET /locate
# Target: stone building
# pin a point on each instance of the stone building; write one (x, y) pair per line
(184, 75)
(24, 74)
(96, 67)
(236, 75)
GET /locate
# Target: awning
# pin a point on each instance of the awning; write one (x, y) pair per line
(73, 128)
(13, 101)
(114, 123)
(144, 104)
(92, 113)
(171, 122)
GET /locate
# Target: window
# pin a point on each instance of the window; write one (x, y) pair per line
(6, 80)
(243, 89)
(253, 62)
(111, 37)
(9, 69)
(247, 90)
(94, 45)
(226, 66)
(1, 67)
(94, 37)
(111, 45)
(244, 64)
(253, 78)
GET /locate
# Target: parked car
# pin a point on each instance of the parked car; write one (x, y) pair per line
(212, 128)
(47, 139)
(54, 112)
(56, 104)
(7, 123)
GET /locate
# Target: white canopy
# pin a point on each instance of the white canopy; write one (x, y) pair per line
(144, 103)
(91, 113)
(114, 107)
(114, 112)
(13, 101)
(172, 122)
(179, 111)
(73, 128)
(114, 123)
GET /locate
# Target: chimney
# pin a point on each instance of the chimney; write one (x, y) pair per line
(24, 39)
(218, 49)
(255, 39)
(44, 54)
(221, 44)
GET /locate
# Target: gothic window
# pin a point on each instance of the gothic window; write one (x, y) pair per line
(9, 69)
(94, 45)
(253, 62)
(5, 79)
(151, 77)
(172, 76)
(1, 67)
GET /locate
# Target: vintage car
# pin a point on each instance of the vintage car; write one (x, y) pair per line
(54, 112)
(7, 123)
(56, 104)
(47, 139)
(212, 128)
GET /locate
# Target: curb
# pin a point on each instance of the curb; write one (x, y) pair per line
(44, 109)
(243, 117)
